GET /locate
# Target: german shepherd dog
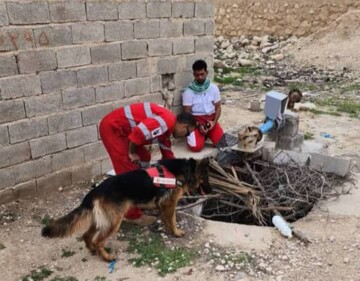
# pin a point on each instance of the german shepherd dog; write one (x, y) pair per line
(102, 210)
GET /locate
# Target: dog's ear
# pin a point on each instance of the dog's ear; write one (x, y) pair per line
(189, 172)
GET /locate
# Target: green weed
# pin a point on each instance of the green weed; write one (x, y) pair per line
(38, 274)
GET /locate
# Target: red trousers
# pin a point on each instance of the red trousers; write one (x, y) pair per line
(116, 143)
(196, 140)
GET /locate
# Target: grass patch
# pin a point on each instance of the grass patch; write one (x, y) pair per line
(225, 80)
(70, 278)
(308, 136)
(67, 253)
(38, 274)
(243, 70)
(152, 251)
(346, 106)
(318, 112)
(350, 88)
(303, 86)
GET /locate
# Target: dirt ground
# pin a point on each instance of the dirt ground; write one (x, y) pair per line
(333, 227)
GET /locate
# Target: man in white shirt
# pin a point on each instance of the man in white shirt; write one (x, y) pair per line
(202, 99)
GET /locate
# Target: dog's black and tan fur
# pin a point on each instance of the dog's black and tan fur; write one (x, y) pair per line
(102, 210)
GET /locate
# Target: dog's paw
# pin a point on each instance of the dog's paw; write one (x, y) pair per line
(178, 232)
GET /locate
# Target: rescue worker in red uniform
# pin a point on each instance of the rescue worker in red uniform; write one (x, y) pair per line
(126, 130)
(202, 99)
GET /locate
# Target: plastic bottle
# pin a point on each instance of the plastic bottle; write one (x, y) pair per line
(282, 226)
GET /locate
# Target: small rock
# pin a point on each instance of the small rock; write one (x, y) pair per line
(346, 260)
(257, 39)
(60, 189)
(245, 62)
(218, 64)
(332, 238)
(245, 42)
(2, 246)
(220, 268)
(278, 57)
(225, 44)
(207, 245)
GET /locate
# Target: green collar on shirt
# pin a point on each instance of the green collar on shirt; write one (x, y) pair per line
(198, 88)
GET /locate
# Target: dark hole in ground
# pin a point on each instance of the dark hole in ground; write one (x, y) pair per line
(294, 189)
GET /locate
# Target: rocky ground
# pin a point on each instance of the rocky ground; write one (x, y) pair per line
(245, 69)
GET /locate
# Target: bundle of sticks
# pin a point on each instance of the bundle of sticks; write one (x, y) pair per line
(261, 189)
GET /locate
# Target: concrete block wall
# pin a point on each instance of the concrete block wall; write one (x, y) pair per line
(64, 64)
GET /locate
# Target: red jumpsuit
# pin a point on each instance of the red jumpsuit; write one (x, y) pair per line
(140, 123)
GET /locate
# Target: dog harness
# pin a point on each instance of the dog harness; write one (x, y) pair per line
(162, 177)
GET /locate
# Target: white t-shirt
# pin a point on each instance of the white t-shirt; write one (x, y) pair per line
(202, 103)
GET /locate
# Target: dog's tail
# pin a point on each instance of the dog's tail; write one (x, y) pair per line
(78, 220)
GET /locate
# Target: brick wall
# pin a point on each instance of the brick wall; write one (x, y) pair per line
(278, 17)
(65, 64)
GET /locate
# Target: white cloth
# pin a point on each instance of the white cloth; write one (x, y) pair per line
(202, 103)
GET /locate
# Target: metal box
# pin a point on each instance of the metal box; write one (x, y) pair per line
(275, 104)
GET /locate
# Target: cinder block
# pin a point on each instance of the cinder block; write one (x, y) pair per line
(8, 66)
(209, 26)
(55, 81)
(194, 27)
(183, 10)
(43, 105)
(20, 86)
(53, 181)
(7, 177)
(158, 9)
(288, 142)
(102, 10)
(25, 189)
(67, 11)
(287, 156)
(16, 38)
(32, 169)
(110, 92)
(78, 98)
(190, 59)
(35, 61)
(11, 110)
(132, 10)
(184, 46)
(145, 68)
(73, 56)
(47, 145)
(171, 28)
(81, 136)
(119, 31)
(138, 86)
(106, 166)
(155, 84)
(93, 115)
(86, 172)
(133, 50)
(147, 29)
(122, 70)
(53, 36)
(13, 154)
(28, 129)
(204, 44)
(28, 12)
(63, 122)
(291, 127)
(92, 76)
(4, 136)
(183, 79)
(87, 32)
(330, 164)
(95, 151)
(7, 195)
(204, 10)
(105, 53)
(160, 47)
(167, 65)
(4, 20)
(68, 158)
